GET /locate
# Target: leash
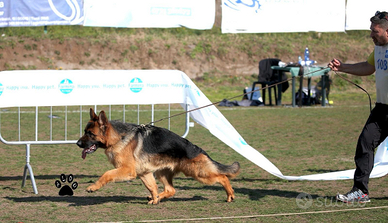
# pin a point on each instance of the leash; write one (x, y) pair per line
(370, 100)
(241, 95)
(269, 86)
(195, 109)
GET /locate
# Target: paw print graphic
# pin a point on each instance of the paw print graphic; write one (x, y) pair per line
(66, 190)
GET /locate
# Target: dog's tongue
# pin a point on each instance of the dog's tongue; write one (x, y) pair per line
(91, 149)
(84, 154)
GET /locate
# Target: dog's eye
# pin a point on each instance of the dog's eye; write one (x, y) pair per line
(90, 133)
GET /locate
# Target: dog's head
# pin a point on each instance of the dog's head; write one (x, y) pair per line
(95, 133)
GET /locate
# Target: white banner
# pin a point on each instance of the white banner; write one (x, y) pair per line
(358, 13)
(101, 87)
(198, 14)
(69, 87)
(271, 16)
(40, 12)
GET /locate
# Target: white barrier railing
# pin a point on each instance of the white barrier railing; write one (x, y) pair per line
(42, 95)
(48, 132)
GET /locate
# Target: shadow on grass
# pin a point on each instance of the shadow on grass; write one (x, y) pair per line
(94, 200)
(252, 193)
(44, 177)
(316, 171)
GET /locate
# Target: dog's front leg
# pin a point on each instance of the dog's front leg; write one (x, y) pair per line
(120, 174)
(150, 183)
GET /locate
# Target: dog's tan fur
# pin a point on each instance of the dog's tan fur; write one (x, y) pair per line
(127, 152)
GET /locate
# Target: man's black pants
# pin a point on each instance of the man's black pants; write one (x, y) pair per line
(374, 132)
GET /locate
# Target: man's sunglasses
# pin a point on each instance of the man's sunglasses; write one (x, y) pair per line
(381, 15)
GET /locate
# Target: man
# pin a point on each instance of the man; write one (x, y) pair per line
(376, 127)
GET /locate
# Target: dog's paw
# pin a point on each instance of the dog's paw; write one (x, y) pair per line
(152, 201)
(230, 199)
(92, 188)
(66, 189)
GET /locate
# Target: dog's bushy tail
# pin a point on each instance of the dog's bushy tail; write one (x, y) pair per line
(230, 171)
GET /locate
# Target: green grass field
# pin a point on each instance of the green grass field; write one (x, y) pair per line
(299, 141)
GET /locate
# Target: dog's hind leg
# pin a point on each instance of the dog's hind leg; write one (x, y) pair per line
(224, 181)
(149, 182)
(206, 171)
(218, 178)
(165, 176)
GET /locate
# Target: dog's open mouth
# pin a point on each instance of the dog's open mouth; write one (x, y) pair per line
(89, 150)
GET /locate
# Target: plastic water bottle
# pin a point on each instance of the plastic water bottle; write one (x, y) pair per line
(300, 61)
(306, 54)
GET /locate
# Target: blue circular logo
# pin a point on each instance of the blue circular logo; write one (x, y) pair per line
(136, 85)
(1, 89)
(66, 86)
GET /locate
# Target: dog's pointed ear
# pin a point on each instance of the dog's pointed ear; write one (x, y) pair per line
(102, 120)
(93, 115)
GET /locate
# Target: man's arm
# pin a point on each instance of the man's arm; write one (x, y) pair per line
(358, 69)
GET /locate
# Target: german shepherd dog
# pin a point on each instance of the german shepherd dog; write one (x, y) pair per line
(147, 151)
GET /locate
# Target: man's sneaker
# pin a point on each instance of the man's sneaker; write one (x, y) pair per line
(353, 196)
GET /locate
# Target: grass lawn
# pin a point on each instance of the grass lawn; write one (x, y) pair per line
(299, 141)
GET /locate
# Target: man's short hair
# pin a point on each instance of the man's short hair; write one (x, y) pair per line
(380, 18)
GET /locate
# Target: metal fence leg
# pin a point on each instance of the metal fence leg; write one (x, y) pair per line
(29, 168)
(187, 122)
